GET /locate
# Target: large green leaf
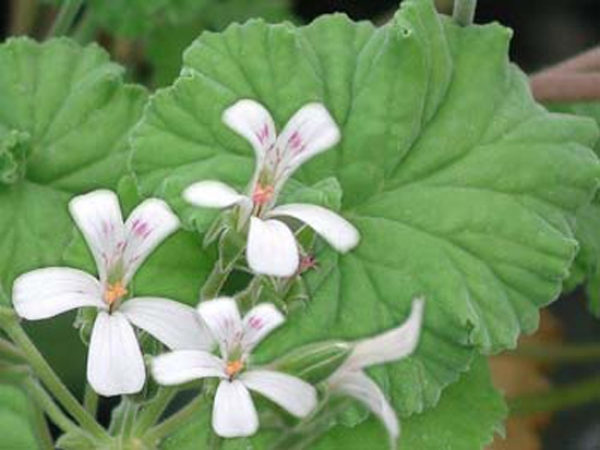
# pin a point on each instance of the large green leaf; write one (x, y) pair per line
(587, 264)
(73, 115)
(468, 415)
(463, 188)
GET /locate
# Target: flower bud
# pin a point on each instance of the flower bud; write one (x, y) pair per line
(316, 362)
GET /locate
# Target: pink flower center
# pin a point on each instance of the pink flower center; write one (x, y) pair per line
(262, 194)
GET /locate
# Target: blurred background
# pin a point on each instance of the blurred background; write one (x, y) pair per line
(149, 43)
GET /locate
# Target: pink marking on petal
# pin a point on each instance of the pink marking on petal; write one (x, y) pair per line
(256, 323)
(263, 134)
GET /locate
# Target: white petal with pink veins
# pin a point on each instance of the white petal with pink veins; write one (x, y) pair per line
(222, 317)
(252, 121)
(309, 132)
(258, 323)
(98, 216)
(149, 224)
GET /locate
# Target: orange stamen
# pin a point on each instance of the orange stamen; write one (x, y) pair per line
(234, 367)
(115, 292)
(262, 195)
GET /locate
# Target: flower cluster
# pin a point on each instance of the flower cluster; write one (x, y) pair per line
(214, 340)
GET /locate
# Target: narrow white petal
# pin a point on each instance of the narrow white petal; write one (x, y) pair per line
(272, 248)
(150, 223)
(44, 293)
(294, 395)
(183, 366)
(98, 216)
(115, 363)
(390, 346)
(361, 387)
(309, 132)
(222, 317)
(212, 194)
(234, 414)
(252, 121)
(258, 323)
(336, 230)
(176, 325)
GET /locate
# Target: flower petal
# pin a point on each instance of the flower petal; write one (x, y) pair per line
(252, 121)
(150, 223)
(272, 248)
(222, 317)
(98, 216)
(234, 414)
(176, 325)
(361, 387)
(183, 366)
(259, 322)
(336, 230)
(212, 194)
(309, 132)
(44, 293)
(390, 346)
(115, 363)
(294, 395)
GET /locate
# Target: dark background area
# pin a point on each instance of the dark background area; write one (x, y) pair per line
(546, 31)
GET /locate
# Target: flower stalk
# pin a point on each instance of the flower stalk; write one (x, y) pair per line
(464, 12)
(66, 17)
(11, 326)
(177, 420)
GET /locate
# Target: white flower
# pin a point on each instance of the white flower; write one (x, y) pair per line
(234, 414)
(350, 379)
(115, 362)
(272, 248)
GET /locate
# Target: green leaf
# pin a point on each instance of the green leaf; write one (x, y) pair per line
(72, 116)
(463, 188)
(16, 420)
(468, 415)
(587, 264)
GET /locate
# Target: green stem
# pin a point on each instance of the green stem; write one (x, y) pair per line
(155, 409)
(43, 370)
(558, 399)
(46, 403)
(66, 17)
(164, 429)
(44, 436)
(574, 354)
(464, 12)
(85, 32)
(215, 282)
(90, 400)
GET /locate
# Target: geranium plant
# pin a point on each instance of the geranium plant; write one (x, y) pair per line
(311, 237)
